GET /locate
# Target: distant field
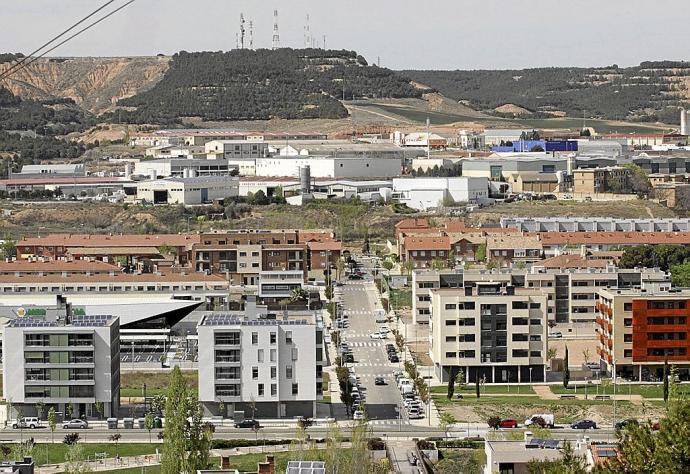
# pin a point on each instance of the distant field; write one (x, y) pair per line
(442, 118)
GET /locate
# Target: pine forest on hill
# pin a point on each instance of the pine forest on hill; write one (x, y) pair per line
(262, 84)
(650, 92)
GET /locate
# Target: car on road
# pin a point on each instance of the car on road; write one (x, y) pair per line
(584, 425)
(624, 423)
(556, 335)
(384, 330)
(349, 358)
(414, 414)
(358, 415)
(27, 422)
(75, 423)
(354, 276)
(508, 423)
(380, 381)
(254, 424)
(377, 335)
(412, 458)
(393, 358)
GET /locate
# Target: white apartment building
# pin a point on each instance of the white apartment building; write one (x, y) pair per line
(571, 293)
(430, 193)
(330, 167)
(274, 361)
(74, 360)
(280, 284)
(494, 333)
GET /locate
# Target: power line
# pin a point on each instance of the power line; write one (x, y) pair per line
(26, 58)
(24, 63)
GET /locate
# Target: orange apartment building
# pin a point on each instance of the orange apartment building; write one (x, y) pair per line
(638, 329)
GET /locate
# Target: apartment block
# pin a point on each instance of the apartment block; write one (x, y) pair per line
(639, 329)
(491, 332)
(274, 361)
(73, 360)
(600, 180)
(571, 292)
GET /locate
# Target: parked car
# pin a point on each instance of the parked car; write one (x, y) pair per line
(358, 415)
(379, 381)
(508, 423)
(584, 425)
(623, 423)
(414, 414)
(348, 358)
(27, 422)
(393, 358)
(378, 335)
(593, 365)
(254, 424)
(354, 276)
(76, 423)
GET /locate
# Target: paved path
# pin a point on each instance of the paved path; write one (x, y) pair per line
(544, 392)
(107, 464)
(398, 451)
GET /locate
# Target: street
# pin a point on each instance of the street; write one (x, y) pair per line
(359, 299)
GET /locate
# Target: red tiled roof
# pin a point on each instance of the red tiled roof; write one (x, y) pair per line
(332, 245)
(573, 261)
(96, 240)
(441, 242)
(612, 238)
(57, 266)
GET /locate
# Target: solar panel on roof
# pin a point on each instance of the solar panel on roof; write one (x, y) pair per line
(551, 443)
(536, 443)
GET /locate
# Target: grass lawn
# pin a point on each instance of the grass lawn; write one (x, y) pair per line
(401, 298)
(152, 469)
(646, 391)
(469, 390)
(248, 462)
(55, 452)
(132, 383)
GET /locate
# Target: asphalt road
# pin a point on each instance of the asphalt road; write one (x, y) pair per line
(359, 301)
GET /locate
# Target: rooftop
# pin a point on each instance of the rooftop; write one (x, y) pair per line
(96, 320)
(511, 242)
(107, 240)
(37, 266)
(229, 319)
(117, 277)
(441, 242)
(619, 237)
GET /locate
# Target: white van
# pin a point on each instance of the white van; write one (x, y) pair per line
(380, 316)
(404, 381)
(547, 417)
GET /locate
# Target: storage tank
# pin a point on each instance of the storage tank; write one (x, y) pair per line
(305, 179)
(684, 122)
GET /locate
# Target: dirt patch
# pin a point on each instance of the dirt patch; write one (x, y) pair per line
(576, 350)
(512, 109)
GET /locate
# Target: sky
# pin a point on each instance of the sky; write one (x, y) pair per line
(404, 34)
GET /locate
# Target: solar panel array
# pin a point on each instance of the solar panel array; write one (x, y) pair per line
(306, 467)
(91, 320)
(216, 319)
(543, 443)
(607, 452)
(28, 322)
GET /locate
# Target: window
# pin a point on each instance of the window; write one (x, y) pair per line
(227, 338)
(261, 389)
(466, 305)
(627, 322)
(260, 355)
(627, 306)
(288, 337)
(627, 353)
(451, 338)
(451, 322)
(535, 353)
(255, 373)
(627, 337)
(451, 354)
(450, 306)
(273, 355)
(255, 338)
(288, 372)
(466, 338)
(520, 353)
(274, 390)
(273, 338)
(295, 389)
(274, 372)
(294, 353)
(519, 305)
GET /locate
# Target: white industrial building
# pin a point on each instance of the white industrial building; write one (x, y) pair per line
(176, 167)
(428, 193)
(330, 167)
(27, 171)
(229, 149)
(173, 151)
(260, 365)
(189, 190)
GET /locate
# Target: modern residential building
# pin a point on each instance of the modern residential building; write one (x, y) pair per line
(430, 193)
(534, 182)
(556, 243)
(330, 167)
(260, 365)
(571, 292)
(662, 163)
(641, 328)
(595, 224)
(60, 361)
(515, 457)
(188, 191)
(600, 180)
(513, 248)
(490, 332)
(277, 285)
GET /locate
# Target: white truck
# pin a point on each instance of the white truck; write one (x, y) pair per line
(380, 316)
(547, 417)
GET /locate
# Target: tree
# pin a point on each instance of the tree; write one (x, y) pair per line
(40, 409)
(329, 292)
(52, 423)
(446, 419)
(149, 423)
(586, 355)
(666, 380)
(639, 181)
(438, 264)
(99, 408)
(408, 266)
(566, 369)
(339, 268)
(115, 438)
(76, 460)
(158, 404)
(9, 248)
(476, 386)
(71, 438)
(69, 410)
(174, 445)
(480, 254)
(221, 408)
(680, 275)
(299, 294)
(387, 264)
(494, 422)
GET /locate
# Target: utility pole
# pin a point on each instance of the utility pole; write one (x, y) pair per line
(428, 139)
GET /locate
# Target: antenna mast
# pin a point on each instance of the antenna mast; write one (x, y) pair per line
(251, 34)
(308, 40)
(276, 36)
(241, 30)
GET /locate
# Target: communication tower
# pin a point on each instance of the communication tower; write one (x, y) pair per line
(276, 35)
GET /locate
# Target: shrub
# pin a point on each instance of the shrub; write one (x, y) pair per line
(493, 422)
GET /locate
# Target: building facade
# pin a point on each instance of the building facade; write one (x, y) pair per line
(188, 191)
(491, 333)
(260, 367)
(430, 193)
(73, 361)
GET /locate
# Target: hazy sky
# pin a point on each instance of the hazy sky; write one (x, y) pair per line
(433, 34)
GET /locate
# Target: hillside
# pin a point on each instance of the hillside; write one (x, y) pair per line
(95, 84)
(650, 92)
(262, 84)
